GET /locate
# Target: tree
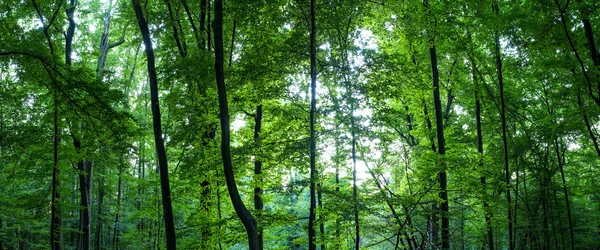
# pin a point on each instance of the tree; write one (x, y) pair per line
(156, 121)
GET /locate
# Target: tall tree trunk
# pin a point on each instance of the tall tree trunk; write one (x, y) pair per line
(117, 228)
(84, 166)
(56, 237)
(156, 120)
(238, 205)
(354, 187)
(99, 217)
(85, 190)
(504, 136)
(313, 110)
(561, 162)
(486, 206)
(258, 202)
(439, 123)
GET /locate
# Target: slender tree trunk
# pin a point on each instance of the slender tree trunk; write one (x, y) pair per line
(99, 219)
(160, 146)
(354, 187)
(232, 42)
(238, 205)
(117, 229)
(504, 136)
(208, 26)
(84, 166)
(313, 110)
(176, 27)
(441, 150)
(258, 202)
(188, 12)
(205, 203)
(204, 5)
(85, 190)
(56, 237)
(486, 206)
(589, 34)
(564, 184)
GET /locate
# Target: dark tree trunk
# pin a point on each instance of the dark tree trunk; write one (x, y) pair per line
(258, 202)
(70, 32)
(56, 237)
(208, 39)
(439, 121)
(238, 205)
(486, 207)
(354, 187)
(504, 136)
(99, 219)
(313, 110)
(193, 24)
(85, 190)
(561, 162)
(117, 228)
(205, 203)
(204, 5)
(589, 34)
(160, 146)
(176, 26)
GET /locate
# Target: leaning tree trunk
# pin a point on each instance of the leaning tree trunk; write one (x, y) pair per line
(439, 123)
(238, 205)
(156, 120)
(504, 139)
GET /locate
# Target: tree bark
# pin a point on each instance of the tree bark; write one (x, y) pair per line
(439, 120)
(561, 163)
(193, 24)
(258, 202)
(498, 55)
(156, 120)
(56, 237)
(176, 26)
(486, 207)
(117, 228)
(85, 190)
(354, 187)
(99, 217)
(238, 205)
(204, 5)
(313, 110)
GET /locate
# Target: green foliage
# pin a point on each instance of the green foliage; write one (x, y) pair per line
(374, 83)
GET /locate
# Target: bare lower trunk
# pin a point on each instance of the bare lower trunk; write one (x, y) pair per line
(238, 205)
(157, 126)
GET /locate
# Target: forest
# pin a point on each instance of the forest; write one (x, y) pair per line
(299, 124)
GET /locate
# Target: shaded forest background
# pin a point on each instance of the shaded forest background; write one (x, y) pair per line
(299, 124)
